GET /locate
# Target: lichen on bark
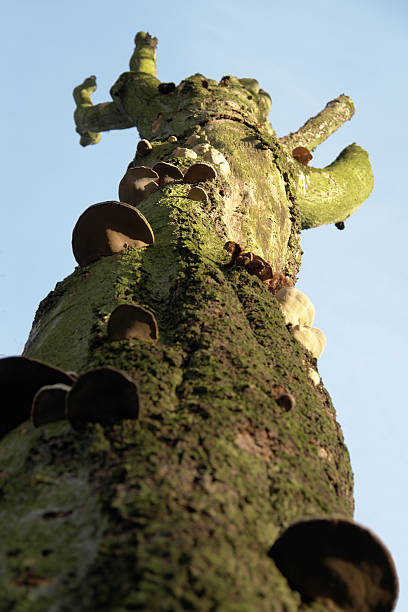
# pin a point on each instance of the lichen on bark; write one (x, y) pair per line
(177, 511)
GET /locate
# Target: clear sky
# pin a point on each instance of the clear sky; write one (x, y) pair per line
(304, 54)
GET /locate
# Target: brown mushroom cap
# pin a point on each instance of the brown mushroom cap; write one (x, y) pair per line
(49, 404)
(168, 173)
(107, 228)
(132, 321)
(339, 560)
(302, 155)
(198, 194)
(137, 184)
(199, 172)
(20, 379)
(105, 395)
(143, 147)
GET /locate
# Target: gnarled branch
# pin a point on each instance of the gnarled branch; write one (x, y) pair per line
(144, 55)
(332, 194)
(141, 81)
(318, 128)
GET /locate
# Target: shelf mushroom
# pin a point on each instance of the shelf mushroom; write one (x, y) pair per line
(310, 338)
(108, 228)
(297, 309)
(104, 395)
(198, 194)
(199, 172)
(137, 184)
(129, 321)
(20, 379)
(339, 560)
(49, 404)
(144, 147)
(168, 173)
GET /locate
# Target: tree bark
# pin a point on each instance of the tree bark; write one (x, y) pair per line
(178, 510)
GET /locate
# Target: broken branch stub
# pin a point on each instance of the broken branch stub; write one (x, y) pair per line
(130, 321)
(104, 395)
(108, 228)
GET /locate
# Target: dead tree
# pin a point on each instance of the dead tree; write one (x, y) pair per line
(185, 455)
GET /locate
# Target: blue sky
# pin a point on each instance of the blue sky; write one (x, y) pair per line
(303, 54)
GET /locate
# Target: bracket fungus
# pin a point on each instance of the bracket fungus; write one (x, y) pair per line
(198, 194)
(310, 338)
(199, 172)
(20, 379)
(168, 173)
(314, 376)
(129, 321)
(297, 309)
(107, 228)
(137, 184)
(185, 153)
(104, 395)
(49, 404)
(144, 147)
(339, 560)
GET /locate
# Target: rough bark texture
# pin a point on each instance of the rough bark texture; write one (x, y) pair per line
(177, 511)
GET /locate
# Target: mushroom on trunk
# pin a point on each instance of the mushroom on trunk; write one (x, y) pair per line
(197, 173)
(20, 379)
(49, 404)
(129, 321)
(104, 395)
(108, 228)
(337, 559)
(168, 173)
(137, 184)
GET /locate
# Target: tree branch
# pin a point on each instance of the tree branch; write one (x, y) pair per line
(144, 55)
(318, 128)
(132, 92)
(331, 194)
(91, 120)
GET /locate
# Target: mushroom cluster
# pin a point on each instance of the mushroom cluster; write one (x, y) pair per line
(298, 312)
(48, 394)
(338, 560)
(256, 265)
(140, 181)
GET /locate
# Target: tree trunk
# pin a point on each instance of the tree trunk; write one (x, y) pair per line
(178, 510)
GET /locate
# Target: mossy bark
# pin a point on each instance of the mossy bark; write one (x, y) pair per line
(177, 511)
